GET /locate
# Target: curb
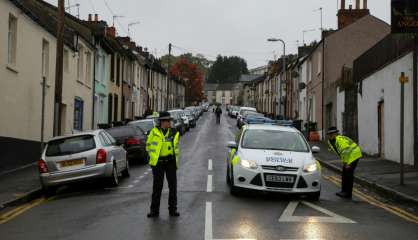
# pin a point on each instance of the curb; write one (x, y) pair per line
(380, 189)
(27, 197)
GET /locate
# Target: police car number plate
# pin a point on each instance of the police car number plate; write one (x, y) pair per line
(280, 178)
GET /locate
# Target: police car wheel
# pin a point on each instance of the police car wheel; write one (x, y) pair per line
(228, 177)
(235, 191)
(314, 196)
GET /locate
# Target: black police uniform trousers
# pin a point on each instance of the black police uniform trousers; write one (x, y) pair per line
(165, 166)
(348, 178)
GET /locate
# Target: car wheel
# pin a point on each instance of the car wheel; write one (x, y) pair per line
(314, 196)
(49, 191)
(235, 191)
(114, 179)
(228, 177)
(126, 173)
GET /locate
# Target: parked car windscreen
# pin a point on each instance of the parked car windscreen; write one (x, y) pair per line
(274, 140)
(71, 145)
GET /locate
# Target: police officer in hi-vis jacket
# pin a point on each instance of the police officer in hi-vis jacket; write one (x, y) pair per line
(163, 150)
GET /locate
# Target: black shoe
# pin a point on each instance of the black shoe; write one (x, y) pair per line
(343, 195)
(174, 214)
(153, 214)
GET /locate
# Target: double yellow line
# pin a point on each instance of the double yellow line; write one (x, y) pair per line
(373, 201)
(10, 215)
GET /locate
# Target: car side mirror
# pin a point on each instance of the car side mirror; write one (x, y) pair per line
(231, 144)
(316, 149)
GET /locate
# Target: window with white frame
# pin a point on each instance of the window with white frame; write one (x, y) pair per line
(45, 58)
(12, 40)
(66, 61)
(319, 62)
(80, 64)
(87, 77)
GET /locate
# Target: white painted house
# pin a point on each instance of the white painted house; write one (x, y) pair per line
(379, 103)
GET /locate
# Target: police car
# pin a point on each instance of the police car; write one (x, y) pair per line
(273, 158)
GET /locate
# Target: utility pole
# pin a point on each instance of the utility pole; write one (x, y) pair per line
(59, 68)
(168, 73)
(402, 79)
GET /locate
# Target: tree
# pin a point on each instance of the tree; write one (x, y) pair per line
(198, 59)
(193, 77)
(227, 69)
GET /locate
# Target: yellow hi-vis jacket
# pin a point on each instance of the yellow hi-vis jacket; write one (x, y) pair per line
(346, 149)
(156, 141)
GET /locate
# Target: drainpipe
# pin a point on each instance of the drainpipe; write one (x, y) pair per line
(415, 101)
(323, 88)
(94, 84)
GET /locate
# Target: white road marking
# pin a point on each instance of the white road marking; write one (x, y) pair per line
(287, 215)
(209, 184)
(136, 181)
(209, 226)
(141, 177)
(210, 167)
(146, 173)
(208, 222)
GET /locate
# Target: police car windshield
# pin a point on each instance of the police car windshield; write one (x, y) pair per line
(274, 140)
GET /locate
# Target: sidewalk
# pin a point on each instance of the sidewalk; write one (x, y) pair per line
(19, 186)
(380, 175)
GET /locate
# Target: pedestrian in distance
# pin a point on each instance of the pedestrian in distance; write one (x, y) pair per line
(349, 153)
(163, 150)
(218, 113)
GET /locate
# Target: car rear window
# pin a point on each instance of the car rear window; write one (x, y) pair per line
(71, 145)
(274, 140)
(145, 125)
(123, 132)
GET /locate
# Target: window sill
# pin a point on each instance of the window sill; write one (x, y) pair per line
(12, 68)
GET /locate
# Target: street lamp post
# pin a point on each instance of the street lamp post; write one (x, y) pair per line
(284, 70)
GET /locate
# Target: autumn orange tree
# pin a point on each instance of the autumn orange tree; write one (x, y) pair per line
(193, 77)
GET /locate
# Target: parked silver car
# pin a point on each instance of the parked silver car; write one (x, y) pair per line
(82, 156)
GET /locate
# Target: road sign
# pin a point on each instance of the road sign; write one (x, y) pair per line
(404, 16)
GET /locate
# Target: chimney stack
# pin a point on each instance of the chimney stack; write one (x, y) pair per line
(357, 4)
(96, 16)
(342, 4)
(111, 31)
(90, 18)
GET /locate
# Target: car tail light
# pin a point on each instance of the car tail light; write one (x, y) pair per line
(42, 166)
(101, 156)
(133, 141)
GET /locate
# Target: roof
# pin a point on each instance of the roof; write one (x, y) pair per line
(34, 10)
(249, 77)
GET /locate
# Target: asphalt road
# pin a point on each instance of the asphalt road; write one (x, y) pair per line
(208, 211)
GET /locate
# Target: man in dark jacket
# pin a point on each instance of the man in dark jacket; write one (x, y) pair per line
(218, 113)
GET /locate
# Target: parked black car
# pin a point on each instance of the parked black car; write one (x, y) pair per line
(134, 141)
(177, 123)
(145, 125)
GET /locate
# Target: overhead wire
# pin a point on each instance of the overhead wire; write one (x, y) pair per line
(113, 14)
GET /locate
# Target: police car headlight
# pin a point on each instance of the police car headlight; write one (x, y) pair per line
(311, 167)
(249, 164)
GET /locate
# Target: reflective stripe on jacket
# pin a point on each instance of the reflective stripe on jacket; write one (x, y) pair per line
(346, 149)
(155, 143)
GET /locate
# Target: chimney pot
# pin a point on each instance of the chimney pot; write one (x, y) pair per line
(342, 4)
(96, 17)
(90, 18)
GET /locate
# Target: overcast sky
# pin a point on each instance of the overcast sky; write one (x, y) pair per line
(227, 27)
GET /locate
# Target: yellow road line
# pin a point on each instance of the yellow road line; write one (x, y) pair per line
(6, 217)
(373, 201)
